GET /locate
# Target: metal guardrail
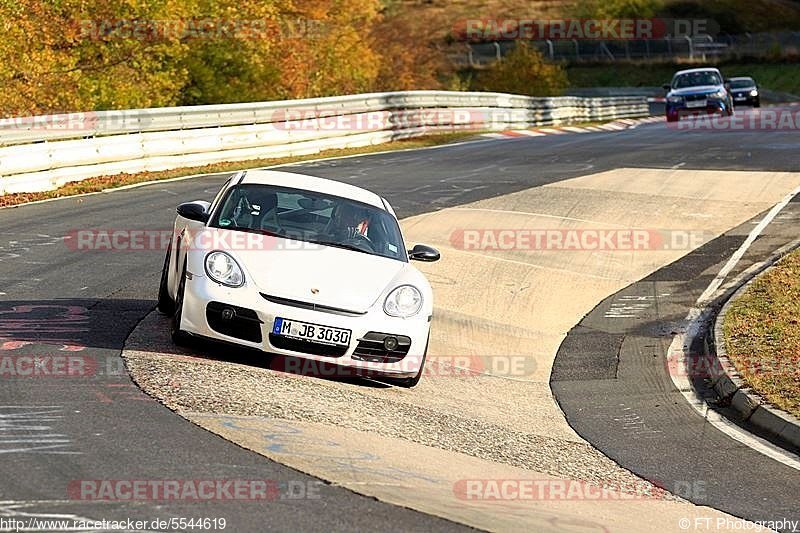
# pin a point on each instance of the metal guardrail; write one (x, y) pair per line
(45, 152)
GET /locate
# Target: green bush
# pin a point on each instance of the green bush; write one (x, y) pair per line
(523, 71)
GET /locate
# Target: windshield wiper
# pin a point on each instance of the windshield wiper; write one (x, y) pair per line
(341, 245)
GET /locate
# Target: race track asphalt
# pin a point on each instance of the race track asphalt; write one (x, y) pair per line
(55, 431)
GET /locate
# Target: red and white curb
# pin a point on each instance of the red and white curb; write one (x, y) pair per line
(617, 125)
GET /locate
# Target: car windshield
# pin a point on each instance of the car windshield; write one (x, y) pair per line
(696, 79)
(742, 83)
(311, 217)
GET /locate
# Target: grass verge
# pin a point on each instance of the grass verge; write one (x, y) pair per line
(762, 334)
(101, 183)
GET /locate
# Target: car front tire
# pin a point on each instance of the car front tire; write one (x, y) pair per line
(166, 305)
(179, 336)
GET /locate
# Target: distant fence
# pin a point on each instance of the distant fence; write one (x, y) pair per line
(703, 47)
(42, 153)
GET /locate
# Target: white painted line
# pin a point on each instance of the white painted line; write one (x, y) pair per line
(754, 233)
(494, 136)
(529, 133)
(693, 321)
(574, 129)
(551, 131)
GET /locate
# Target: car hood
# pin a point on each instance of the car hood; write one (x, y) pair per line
(700, 89)
(321, 275)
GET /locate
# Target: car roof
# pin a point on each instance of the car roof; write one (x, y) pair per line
(704, 69)
(741, 78)
(312, 183)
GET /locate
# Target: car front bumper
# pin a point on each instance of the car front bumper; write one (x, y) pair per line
(712, 106)
(200, 292)
(745, 100)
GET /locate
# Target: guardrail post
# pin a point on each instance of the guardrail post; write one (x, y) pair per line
(691, 46)
(497, 53)
(470, 56)
(550, 48)
(604, 47)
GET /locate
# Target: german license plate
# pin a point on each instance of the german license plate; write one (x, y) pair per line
(696, 103)
(311, 332)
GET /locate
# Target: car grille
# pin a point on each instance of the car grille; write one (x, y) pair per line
(307, 347)
(370, 348)
(244, 324)
(695, 97)
(312, 306)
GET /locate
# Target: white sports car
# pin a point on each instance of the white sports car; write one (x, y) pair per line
(304, 267)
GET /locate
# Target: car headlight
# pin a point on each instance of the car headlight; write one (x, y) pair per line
(224, 269)
(403, 302)
(754, 92)
(674, 99)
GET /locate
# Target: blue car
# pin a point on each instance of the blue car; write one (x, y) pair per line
(697, 91)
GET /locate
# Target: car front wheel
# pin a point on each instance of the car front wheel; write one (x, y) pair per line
(166, 305)
(179, 336)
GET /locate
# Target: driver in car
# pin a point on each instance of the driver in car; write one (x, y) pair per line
(349, 223)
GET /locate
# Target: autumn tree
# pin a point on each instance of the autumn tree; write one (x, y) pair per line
(73, 55)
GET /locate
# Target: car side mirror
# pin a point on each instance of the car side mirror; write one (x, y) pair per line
(421, 252)
(194, 211)
(666, 87)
